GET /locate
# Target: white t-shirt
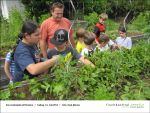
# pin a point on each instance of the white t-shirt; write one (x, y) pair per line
(107, 46)
(125, 42)
(87, 52)
(110, 43)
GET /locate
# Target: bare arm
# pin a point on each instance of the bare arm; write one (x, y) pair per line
(86, 61)
(7, 70)
(41, 67)
(43, 46)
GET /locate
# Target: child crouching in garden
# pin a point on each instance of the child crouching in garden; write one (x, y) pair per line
(123, 41)
(104, 43)
(89, 38)
(60, 40)
(9, 65)
(80, 37)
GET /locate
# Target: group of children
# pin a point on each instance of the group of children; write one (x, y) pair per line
(87, 43)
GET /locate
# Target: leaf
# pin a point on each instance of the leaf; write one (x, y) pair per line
(5, 95)
(94, 75)
(35, 91)
(126, 88)
(58, 88)
(124, 97)
(22, 95)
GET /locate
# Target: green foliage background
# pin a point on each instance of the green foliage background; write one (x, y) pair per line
(9, 31)
(115, 8)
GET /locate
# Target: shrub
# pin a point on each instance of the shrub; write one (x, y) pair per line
(141, 23)
(117, 75)
(9, 30)
(92, 19)
(44, 17)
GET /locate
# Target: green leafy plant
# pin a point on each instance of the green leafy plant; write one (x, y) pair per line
(92, 19)
(117, 75)
(9, 31)
(141, 23)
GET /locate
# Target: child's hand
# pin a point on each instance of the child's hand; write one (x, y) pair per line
(10, 82)
(119, 46)
(56, 58)
(93, 65)
(114, 46)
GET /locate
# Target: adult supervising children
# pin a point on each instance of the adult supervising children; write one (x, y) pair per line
(53, 23)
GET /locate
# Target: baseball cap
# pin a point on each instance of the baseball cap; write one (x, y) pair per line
(60, 36)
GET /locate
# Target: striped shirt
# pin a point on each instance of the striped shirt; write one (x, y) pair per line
(12, 63)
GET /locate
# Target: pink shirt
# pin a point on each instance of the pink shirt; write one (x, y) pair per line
(49, 26)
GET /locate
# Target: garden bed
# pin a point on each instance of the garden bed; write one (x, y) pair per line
(118, 75)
